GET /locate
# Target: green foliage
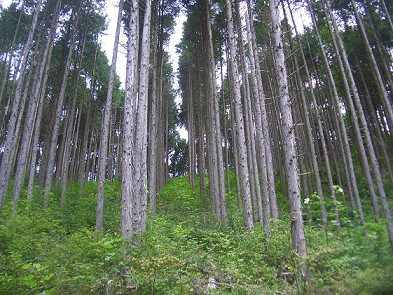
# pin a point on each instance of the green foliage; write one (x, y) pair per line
(56, 251)
(37, 255)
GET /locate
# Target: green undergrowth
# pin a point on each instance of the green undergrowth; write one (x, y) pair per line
(185, 250)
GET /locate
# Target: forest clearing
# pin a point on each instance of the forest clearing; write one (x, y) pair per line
(254, 156)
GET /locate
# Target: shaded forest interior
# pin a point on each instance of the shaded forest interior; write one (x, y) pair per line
(283, 184)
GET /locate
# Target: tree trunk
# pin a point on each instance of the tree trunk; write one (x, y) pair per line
(154, 117)
(342, 126)
(105, 127)
(346, 69)
(261, 120)
(59, 108)
(241, 139)
(9, 146)
(310, 139)
(297, 226)
(249, 124)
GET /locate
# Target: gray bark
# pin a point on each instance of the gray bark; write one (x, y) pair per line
(346, 69)
(261, 120)
(297, 226)
(9, 146)
(249, 124)
(318, 117)
(105, 127)
(342, 126)
(310, 138)
(134, 177)
(153, 134)
(59, 108)
(241, 139)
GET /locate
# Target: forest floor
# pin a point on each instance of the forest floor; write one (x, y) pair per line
(184, 251)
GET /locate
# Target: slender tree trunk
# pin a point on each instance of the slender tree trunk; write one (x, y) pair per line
(191, 134)
(241, 139)
(297, 226)
(310, 140)
(32, 127)
(387, 15)
(105, 127)
(249, 124)
(59, 108)
(71, 125)
(9, 146)
(7, 67)
(261, 120)
(84, 155)
(228, 185)
(134, 187)
(154, 117)
(201, 145)
(369, 104)
(216, 165)
(318, 117)
(345, 68)
(140, 162)
(342, 126)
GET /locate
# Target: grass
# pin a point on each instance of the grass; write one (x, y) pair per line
(184, 251)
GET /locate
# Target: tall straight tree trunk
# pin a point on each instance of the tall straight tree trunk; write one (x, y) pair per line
(368, 103)
(9, 146)
(134, 179)
(59, 108)
(347, 72)
(140, 148)
(216, 165)
(249, 124)
(34, 110)
(342, 126)
(5, 81)
(68, 133)
(318, 117)
(234, 147)
(201, 144)
(105, 127)
(346, 69)
(261, 120)
(154, 117)
(241, 139)
(83, 154)
(387, 15)
(228, 185)
(310, 138)
(191, 133)
(297, 226)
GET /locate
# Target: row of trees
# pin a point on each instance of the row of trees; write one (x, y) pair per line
(259, 97)
(291, 106)
(61, 103)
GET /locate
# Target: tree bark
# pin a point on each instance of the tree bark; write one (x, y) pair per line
(346, 69)
(59, 108)
(297, 226)
(105, 126)
(9, 146)
(241, 139)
